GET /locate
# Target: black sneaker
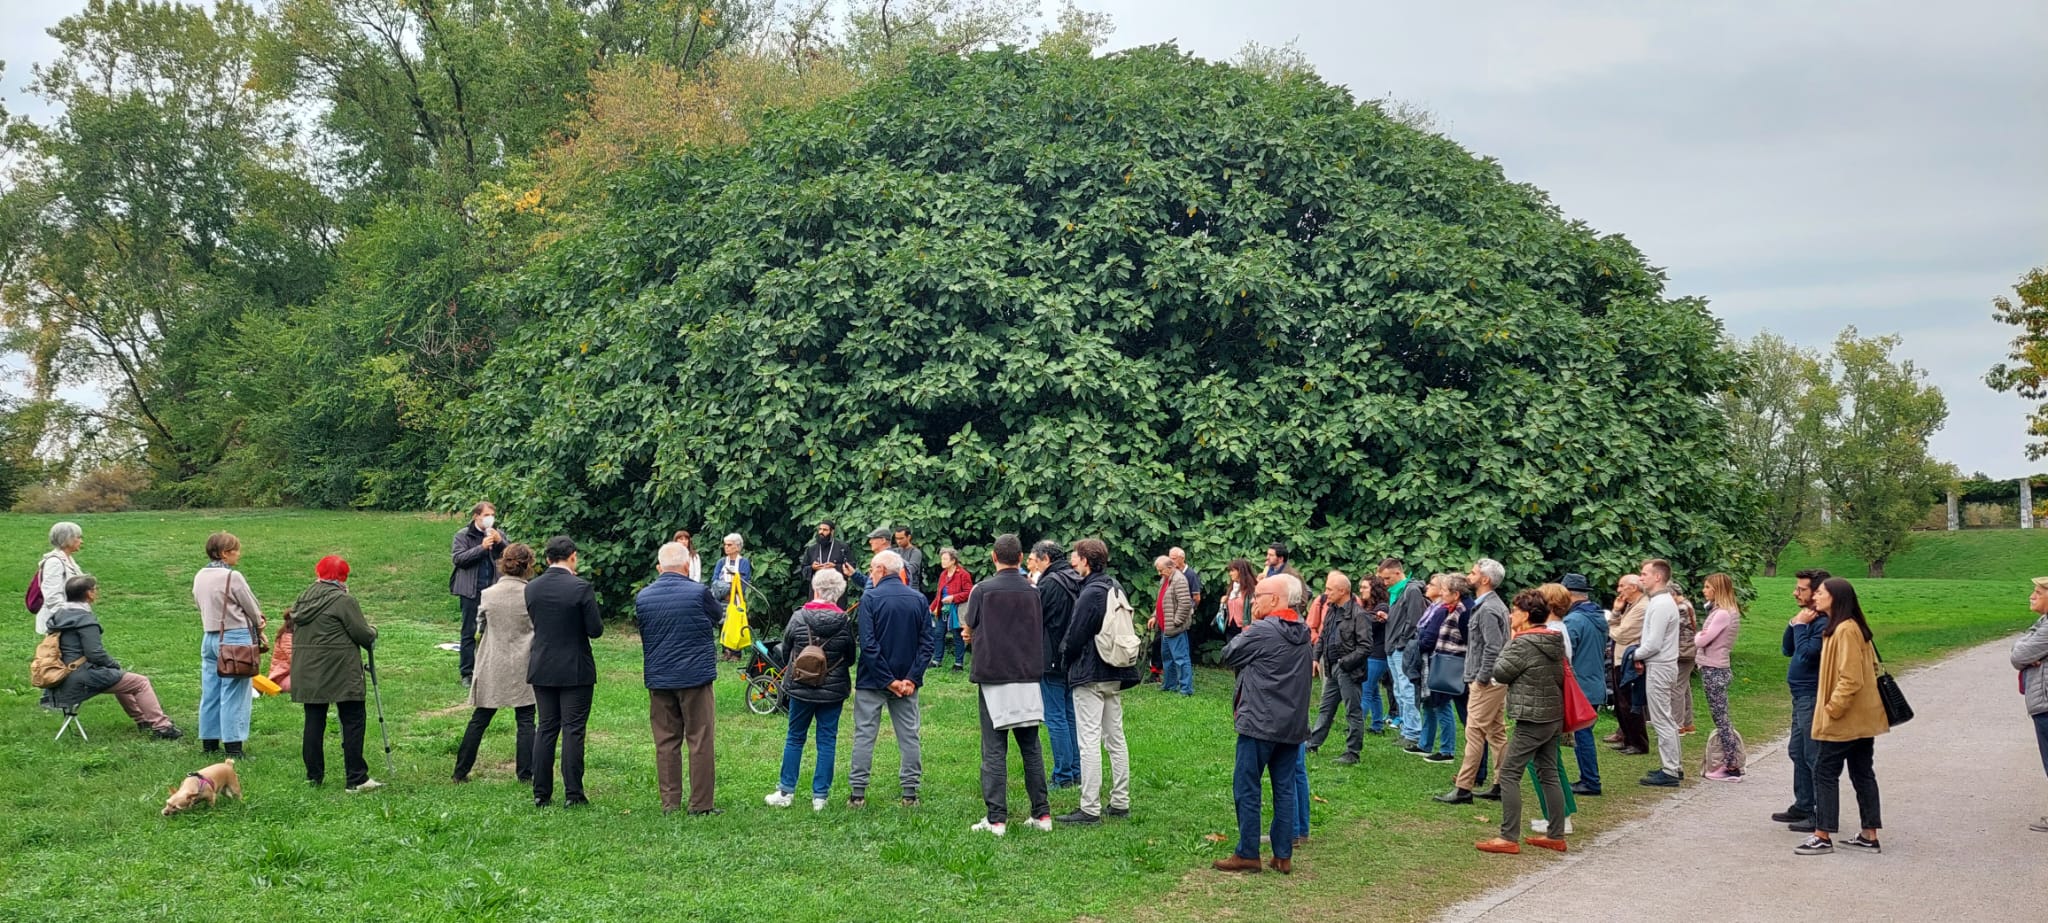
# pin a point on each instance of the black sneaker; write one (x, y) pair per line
(1815, 846)
(856, 802)
(1859, 844)
(1440, 758)
(167, 732)
(1790, 817)
(1117, 812)
(1659, 779)
(1581, 788)
(1346, 759)
(1801, 826)
(1078, 817)
(1412, 748)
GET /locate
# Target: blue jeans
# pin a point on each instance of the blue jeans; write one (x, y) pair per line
(1589, 758)
(1300, 794)
(1257, 759)
(1177, 672)
(1439, 725)
(956, 643)
(801, 716)
(223, 702)
(1375, 670)
(1803, 752)
(1404, 693)
(2041, 738)
(1059, 728)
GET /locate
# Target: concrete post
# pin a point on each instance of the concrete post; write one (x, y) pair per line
(1955, 516)
(2026, 503)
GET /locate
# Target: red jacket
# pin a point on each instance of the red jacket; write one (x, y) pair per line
(956, 583)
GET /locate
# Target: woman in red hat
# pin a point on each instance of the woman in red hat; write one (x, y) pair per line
(327, 669)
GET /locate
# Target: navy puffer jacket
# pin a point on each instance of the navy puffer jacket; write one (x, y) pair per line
(678, 632)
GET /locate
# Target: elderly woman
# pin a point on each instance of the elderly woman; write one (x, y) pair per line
(1531, 665)
(228, 614)
(79, 639)
(955, 584)
(820, 620)
(1442, 630)
(56, 567)
(330, 637)
(504, 638)
(732, 578)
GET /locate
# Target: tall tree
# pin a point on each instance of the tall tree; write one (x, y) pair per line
(1775, 421)
(1874, 460)
(2027, 372)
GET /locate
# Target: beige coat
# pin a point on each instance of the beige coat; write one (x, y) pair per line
(1628, 630)
(1849, 707)
(504, 636)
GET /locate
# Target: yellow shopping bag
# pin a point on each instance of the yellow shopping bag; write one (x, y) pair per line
(736, 635)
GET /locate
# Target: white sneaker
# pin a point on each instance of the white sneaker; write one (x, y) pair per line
(1042, 823)
(369, 785)
(818, 804)
(779, 799)
(1539, 825)
(983, 824)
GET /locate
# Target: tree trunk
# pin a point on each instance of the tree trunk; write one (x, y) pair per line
(1877, 569)
(1771, 568)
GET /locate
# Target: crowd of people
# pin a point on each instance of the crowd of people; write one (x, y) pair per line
(1053, 647)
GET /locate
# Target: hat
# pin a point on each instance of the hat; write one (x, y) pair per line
(882, 532)
(1575, 583)
(332, 568)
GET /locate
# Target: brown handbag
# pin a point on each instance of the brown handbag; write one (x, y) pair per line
(237, 661)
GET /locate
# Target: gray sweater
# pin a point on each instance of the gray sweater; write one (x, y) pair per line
(1486, 632)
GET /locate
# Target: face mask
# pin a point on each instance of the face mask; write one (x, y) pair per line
(485, 522)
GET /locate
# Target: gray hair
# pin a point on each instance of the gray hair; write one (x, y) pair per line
(1457, 584)
(1297, 592)
(672, 554)
(64, 533)
(890, 562)
(734, 537)
(1491, 570)
(1047, 549)
(828, 585)
(1162, 562)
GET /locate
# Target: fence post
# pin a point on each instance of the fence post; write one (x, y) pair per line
(2026, 503)
(1955, 517)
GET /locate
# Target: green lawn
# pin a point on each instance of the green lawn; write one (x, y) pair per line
(85, 841)
(1972, 554)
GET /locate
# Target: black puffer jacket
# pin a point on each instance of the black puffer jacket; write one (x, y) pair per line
(80, 637)
(842, 645)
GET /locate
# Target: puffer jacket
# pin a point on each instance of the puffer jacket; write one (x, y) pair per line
(842, 645)
(1532, 664)
(2030, 657)
(679, 624)
(1177, 611)
(80, 637)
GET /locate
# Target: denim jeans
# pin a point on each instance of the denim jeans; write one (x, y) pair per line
(223, 702)
(802, 715)
(1803, 753)
(957, 644)
(1300, 794)
(1375, 671)
(1256, 760)
(1404, 692)
(1177, 673)
(1059, 728)
(2041, 738)
(1589, 758)
(1439, 725)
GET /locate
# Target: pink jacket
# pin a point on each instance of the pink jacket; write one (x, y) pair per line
(1717, 640)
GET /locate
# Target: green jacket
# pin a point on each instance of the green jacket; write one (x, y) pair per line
(329, 634)
(1532, 665)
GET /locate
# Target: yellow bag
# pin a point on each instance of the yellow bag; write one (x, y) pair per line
(736, 634)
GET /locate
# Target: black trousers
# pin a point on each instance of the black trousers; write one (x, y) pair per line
(564, 711)
(1629, 718)
(313, 745)
(1827, 783)
(468, 638)
(473, 737)
(995, 769)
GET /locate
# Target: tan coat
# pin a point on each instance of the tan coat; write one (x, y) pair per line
(1628, 630)
(504, 638)
(1849, 707)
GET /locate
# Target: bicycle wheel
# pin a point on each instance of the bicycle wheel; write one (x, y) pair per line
(764, 694)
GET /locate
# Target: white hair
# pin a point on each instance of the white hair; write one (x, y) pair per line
(1491, 570)
(672, 554)
(64, 533)
(1162, 562)
(828, 585)
(734, 537)
(1297, 592)
(890, 562)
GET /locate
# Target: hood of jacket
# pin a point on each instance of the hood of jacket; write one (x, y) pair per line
(70, 616)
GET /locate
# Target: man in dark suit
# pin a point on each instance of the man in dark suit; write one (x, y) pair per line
(561, 669)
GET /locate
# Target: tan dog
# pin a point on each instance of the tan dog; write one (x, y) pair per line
(206, 784)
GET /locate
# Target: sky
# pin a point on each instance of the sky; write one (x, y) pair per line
(1804, 165)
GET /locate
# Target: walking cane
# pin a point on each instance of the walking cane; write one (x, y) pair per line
(378, 695)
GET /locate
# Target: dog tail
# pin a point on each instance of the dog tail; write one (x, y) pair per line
(231, 761)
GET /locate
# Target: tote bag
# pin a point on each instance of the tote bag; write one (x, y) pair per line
(1578, 711)
(1447, 674)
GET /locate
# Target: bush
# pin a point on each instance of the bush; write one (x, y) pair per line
(1138, 296)
(111, 489)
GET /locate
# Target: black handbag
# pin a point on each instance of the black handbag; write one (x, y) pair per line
(1896, 709)
(1446, 674)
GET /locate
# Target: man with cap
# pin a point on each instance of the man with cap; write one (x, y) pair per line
(826, 551)
(2028, 655)
(878, 542)
(1585, 628)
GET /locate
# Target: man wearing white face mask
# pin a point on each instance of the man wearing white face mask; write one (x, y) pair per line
(475, 554)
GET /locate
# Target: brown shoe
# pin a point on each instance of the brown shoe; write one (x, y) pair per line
(1547, 843)
(1686, 730)
(1498, 845)
(1283, 866)
(1235, 863)
(1613, 738)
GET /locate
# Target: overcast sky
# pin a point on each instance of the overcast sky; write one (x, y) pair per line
(1802, 165)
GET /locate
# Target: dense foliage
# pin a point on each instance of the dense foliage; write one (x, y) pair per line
(2026, 371)
(1137, 296)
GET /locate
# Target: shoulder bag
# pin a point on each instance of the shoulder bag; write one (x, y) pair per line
(236, 661)
(1896, 711)
(1447, 673)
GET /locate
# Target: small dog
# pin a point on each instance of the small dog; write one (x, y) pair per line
(206, 784)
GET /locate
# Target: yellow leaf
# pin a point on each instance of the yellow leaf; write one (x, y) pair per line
(586, 346)
(1192, 210)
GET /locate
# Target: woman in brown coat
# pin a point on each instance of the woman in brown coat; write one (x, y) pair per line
(1846, 721)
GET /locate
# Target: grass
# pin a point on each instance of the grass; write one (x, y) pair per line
(85, 840)
(1974, 554)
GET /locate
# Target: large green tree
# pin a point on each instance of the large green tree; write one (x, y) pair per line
(1136, 296)
(1775, 426)
(1874, 462)
(2026, 372)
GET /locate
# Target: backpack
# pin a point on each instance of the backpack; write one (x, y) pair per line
(810, 666)
(1116, 642)
(47, 668)
(34, 597)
